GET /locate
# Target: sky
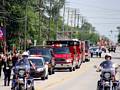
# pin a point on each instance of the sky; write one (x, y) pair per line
(104, 15)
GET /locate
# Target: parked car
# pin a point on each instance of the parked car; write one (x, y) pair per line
(47, 54)
(95, 51)
(41, 68)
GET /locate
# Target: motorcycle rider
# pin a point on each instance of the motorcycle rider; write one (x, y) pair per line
(109, 64)
(23, 60)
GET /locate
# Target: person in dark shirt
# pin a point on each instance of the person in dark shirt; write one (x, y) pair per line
(108, 62)
(14, 59)
(0, 65)
(7, 66)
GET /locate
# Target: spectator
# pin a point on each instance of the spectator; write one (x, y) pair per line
(0, 65)
(7, 63)
(14, 59)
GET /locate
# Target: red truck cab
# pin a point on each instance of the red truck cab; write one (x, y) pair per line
(67, 54)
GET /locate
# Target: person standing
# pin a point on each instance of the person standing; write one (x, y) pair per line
(7, 66)
(14, 59)
(0, 65)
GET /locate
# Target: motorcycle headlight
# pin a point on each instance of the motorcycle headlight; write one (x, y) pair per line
(21, 72)
(40, 69)
(107, 75)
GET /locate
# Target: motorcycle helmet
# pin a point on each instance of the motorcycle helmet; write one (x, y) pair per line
(25, 54)
(108, 55)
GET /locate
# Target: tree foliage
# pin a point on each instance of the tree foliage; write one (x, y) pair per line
(42, 19)
(88, 32)
(37, 12)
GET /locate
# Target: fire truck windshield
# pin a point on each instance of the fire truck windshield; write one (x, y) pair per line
(61, 50)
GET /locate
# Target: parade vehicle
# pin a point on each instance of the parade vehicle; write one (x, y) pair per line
(95, 51)
(22, 79)
(107, 77)
(86, 52)
(67, 54)
(47, 53)
(41, 68)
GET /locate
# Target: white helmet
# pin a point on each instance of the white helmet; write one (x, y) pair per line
(25, 54)
(108, 55)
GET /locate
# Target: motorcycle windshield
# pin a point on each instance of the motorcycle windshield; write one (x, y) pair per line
(24, 64)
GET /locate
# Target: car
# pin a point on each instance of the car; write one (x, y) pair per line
(41, 68)
(47, 54)
(112, 48)
(95, 51)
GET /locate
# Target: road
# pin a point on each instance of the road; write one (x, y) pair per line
(84, 78)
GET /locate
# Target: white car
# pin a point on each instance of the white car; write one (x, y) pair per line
(41, 68)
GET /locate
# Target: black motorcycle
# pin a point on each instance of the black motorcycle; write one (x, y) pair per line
(107, 80)
(22, 79)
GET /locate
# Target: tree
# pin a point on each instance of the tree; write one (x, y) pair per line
(88, 32)
(16, 17)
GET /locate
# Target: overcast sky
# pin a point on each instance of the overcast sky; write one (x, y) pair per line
(104, 15)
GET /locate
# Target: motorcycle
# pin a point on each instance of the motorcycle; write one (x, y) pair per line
(22, 79)
(107, 79)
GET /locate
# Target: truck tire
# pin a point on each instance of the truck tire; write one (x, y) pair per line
(43, 78)
(71, 69)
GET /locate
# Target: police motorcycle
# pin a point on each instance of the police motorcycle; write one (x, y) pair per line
(107, 78)
(21, 78)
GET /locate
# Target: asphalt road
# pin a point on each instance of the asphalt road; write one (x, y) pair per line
(84, 78)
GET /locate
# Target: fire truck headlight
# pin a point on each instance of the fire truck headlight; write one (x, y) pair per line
(68, 60)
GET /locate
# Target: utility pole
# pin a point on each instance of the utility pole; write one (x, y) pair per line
(63, 27)
(49, 30)
(72, 14)
(68, 19)
(39, 37)
(57, 19)
(25, 45)
(4, 26)
(78, 20)
(75, 13)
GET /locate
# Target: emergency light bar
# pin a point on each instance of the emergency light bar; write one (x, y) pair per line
(35, 55)
(59, 45)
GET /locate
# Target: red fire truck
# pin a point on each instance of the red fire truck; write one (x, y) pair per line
(67, 54)
(85, 54)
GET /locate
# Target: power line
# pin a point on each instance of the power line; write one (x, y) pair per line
(101, 17)
(105, 23)
(93, 6)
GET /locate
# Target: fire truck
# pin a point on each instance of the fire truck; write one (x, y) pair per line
(85, 54)
(67, 54)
